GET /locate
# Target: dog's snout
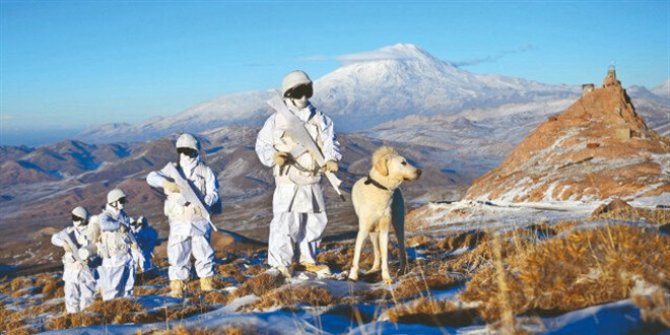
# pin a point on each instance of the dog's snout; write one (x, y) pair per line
(418, 173)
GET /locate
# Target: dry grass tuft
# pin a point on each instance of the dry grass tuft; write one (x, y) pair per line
(216, 297)
(232, 270)
(654, 307)
(7, 320)
(19, 283)
(415, 285)
(260, 285)
(579, 269)
(482, 255)
(432, 312)
(339, 259)
(418, 241)
(628, 213)
(469, 239)
(66, 321)
(294, 295)
(52, 289)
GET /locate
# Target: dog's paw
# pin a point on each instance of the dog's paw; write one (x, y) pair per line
(353, 275)
(387, 279)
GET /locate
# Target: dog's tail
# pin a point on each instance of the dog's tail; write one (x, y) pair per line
(398, 221)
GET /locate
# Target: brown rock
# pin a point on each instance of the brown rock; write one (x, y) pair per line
(614, 206)
(553, 163)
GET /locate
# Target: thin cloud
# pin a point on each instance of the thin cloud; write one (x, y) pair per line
(496, 57)
(367, 56)
(6, 117)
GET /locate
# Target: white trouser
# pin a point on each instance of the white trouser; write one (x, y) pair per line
(179, 252)
(290, 231)
(80, 292)
(117, 277)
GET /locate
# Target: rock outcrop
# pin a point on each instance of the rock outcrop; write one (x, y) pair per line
(598, 148)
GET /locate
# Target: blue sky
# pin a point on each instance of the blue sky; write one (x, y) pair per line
(68, 65)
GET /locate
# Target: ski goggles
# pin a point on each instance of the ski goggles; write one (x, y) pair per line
(188, 152)
(78, 219)
(300, 91)
(122, 200)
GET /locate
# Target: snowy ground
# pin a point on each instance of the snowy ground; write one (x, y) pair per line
(355, 313)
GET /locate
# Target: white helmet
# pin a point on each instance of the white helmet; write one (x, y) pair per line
(293, 79)
(79, 212)
(114, 195)
(187, 140)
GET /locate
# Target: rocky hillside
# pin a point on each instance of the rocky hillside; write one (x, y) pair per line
(596, 149)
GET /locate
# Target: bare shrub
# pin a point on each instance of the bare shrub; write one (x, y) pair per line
(579, 269)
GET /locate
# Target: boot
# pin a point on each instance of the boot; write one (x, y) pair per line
(177, 288)
(207, 284)
(321, 269)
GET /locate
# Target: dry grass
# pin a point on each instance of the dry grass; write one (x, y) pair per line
(482, 255)
(216, 297)
(418, 241)
(294, 295)
(339, 259)
(653, 216)
(432, 312)
(469, 239)
(654, 307)
(260, 285)
(7, 320)
(582, 268)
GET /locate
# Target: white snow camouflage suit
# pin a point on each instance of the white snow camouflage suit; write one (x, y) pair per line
(189, 232)
(79, 284)
(297, 204)
(117, 272)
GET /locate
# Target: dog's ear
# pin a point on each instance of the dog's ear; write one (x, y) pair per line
(381, 165)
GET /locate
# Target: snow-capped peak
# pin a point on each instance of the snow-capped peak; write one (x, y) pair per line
(400, 51)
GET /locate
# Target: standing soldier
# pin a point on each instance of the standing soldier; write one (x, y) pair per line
(147, 238)
(79, 248)
(190, 226)
(117, 272)
(298, 205)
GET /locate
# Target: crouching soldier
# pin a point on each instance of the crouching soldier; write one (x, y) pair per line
(79, 249)
(190, 225)
(117, 272)
(147, 238)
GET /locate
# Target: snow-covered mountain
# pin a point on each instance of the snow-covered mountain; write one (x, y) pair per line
(401, 80)
(662, 90)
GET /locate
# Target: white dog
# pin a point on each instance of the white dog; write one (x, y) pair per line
(378, 203)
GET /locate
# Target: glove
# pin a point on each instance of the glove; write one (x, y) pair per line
(170, 187)
(84, 253)
(281, 158)
(196, 210)
(330, 166)
(67, 248)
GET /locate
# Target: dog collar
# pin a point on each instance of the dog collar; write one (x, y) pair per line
(376, 183)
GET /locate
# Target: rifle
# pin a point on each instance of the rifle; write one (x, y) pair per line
(75, 253)
(188, 193)
(297, 131)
